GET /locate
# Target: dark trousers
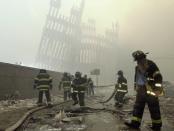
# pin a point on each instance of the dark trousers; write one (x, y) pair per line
(153, 104)
(79, 97)
(87, 91)
(67, 95)
(119, 97)
(91, 90)
(47, 94)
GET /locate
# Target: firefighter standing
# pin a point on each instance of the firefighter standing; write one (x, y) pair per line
(85, 77)
(148, 84)
(121, 89)
(43, 82)
(90, 87)
(79, 87)
(66, 85)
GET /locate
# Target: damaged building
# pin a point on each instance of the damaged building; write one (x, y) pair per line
(69, 44)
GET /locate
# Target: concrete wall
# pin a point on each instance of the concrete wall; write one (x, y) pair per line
(16, 77)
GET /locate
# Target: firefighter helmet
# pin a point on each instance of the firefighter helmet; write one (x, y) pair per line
(138, 55)
(120, 72)
(85, 76)
(77, 74)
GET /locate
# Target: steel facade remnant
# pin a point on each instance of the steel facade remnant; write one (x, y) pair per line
(68, 44)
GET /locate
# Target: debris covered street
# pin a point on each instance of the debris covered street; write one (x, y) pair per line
(93, 117)
(87, 65)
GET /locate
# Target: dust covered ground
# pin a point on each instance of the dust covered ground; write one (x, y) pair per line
(94, 117)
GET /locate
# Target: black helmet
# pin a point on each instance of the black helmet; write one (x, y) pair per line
(42, 71)
(77, 74)
(85, 76)
(138, 55)
(120, 72)
(72, 77)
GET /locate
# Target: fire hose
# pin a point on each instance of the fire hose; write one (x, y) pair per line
(105, 85)
(113, 94)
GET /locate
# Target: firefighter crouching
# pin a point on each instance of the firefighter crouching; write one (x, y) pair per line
(121, 89)
(148, 84)
(65, 83)
(43, 82)
(78, 89)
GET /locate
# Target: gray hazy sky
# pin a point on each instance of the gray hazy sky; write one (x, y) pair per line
(143, 24)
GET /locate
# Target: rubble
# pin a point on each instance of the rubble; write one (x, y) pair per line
(9, 105)
(94, 117)
(60, 116)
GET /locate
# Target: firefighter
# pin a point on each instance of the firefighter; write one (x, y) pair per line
(65, 83)
(90, 87)
(85, 77)
(43, 82)
(121, 89)
(72, 78)
(79, 87)
(148, 85)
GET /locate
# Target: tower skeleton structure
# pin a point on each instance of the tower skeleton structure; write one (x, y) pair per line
(68, 44)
